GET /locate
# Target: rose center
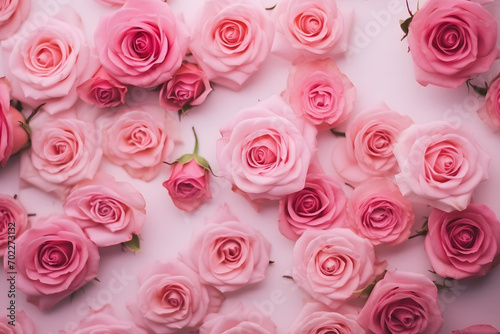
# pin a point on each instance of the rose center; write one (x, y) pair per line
(307, 203)
(55, 255)
(443, 162)
(230, 250)
(172, 298)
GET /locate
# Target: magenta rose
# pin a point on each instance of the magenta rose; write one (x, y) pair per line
(440, 165)
(142, 43)
(171, 297)
(12, 15)
(477, 329)
(463, 244)
(489, 113)
(330, 265)
(239, 321)
(320, 93)
(230, 40)
(367, 150)
(266, 149)
(57, 60)
(228, 254)
(54, 259)
(378, 211)
(320, 205)
(109, 212)
(450, 41)
(139, 139)
(13, 221)
(22, 324)
(402, 302)
(102, 90)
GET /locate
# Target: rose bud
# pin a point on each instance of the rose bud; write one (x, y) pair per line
(102, 90)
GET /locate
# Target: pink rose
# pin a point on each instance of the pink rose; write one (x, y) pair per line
(188, 87)
(310, 29)
(139, 139)
(102, 90)
(489, 113)
(265, 150)
(142, 43)
(230, 40)
(171, 297)
(12, 16)
(320, 205)
(367, 150)
(13, 221)
(109, 212)
(112, 3)
(463, 244)
(228, 254)
(22, 324)
(64, 151)
(379, 212)
(320, 93)
(477, 329)
(440, 165)
(54, 259)
(450, 41)
(402, 303)
(239, 321)
(330, 265)
(57, 58)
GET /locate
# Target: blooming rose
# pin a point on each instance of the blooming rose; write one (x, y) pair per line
(367, 150)
(330, 265)
(12, 15)
(402, 302)
(22, 324)
(56, 59)
(440, 165)
(450, 41)
(111, 3)
(320, 205)
(13, 221)
(477, 329)
(240, 321)
(265, 150)
(228, 254)
(230, 40)
(379, 212)
(188, 87)
(64, 151)
(489, 113)
(171, 297)
(142, 43)
(320, 93)
(109, 212)
(102, 90)
(139, 139)
(463, 244)
(54, 259)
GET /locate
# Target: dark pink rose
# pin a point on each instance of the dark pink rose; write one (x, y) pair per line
(12, 15)
(402, 303)
(171, 297)
(109, 212)
(490, 111)
(320, 93)
(22, 324)
(142, 43)
(13, 221)
(102, 90)
(54, 259)
(239, 321)
(477, 329)
(450, 41)
(463, 244)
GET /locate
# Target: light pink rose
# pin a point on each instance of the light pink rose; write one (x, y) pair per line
(12, 15)
(266, 149)
(320, 205)
(239, 321)
(379, 212)
(54, 259)
(231, 39)
(367, 150)
(450, 41)
(320, 93)
(312, 29)
(22, 324)
(112, 3)
(13, 221)
(440, 165)
(102, 90)
(402, 303)
(109, 212)
(139, 139)
(330, 265)
(463, 244)
(64, 151)
(477, 329)
(228, 254)
(171, 297)
(142, 43)
(56, 59)
(188, 87)
(489, 113)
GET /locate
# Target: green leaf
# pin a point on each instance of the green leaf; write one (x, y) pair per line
(405, 26)
(337, 133)
(134, 244)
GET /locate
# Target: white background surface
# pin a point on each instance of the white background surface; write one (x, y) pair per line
(381, 69)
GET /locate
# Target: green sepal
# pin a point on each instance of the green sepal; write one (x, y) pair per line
(271, 8)
(405, 26)
(478, 89)
(423, 231)
(337, 133)
(133, 244)
(367, 290)
(16, 104)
